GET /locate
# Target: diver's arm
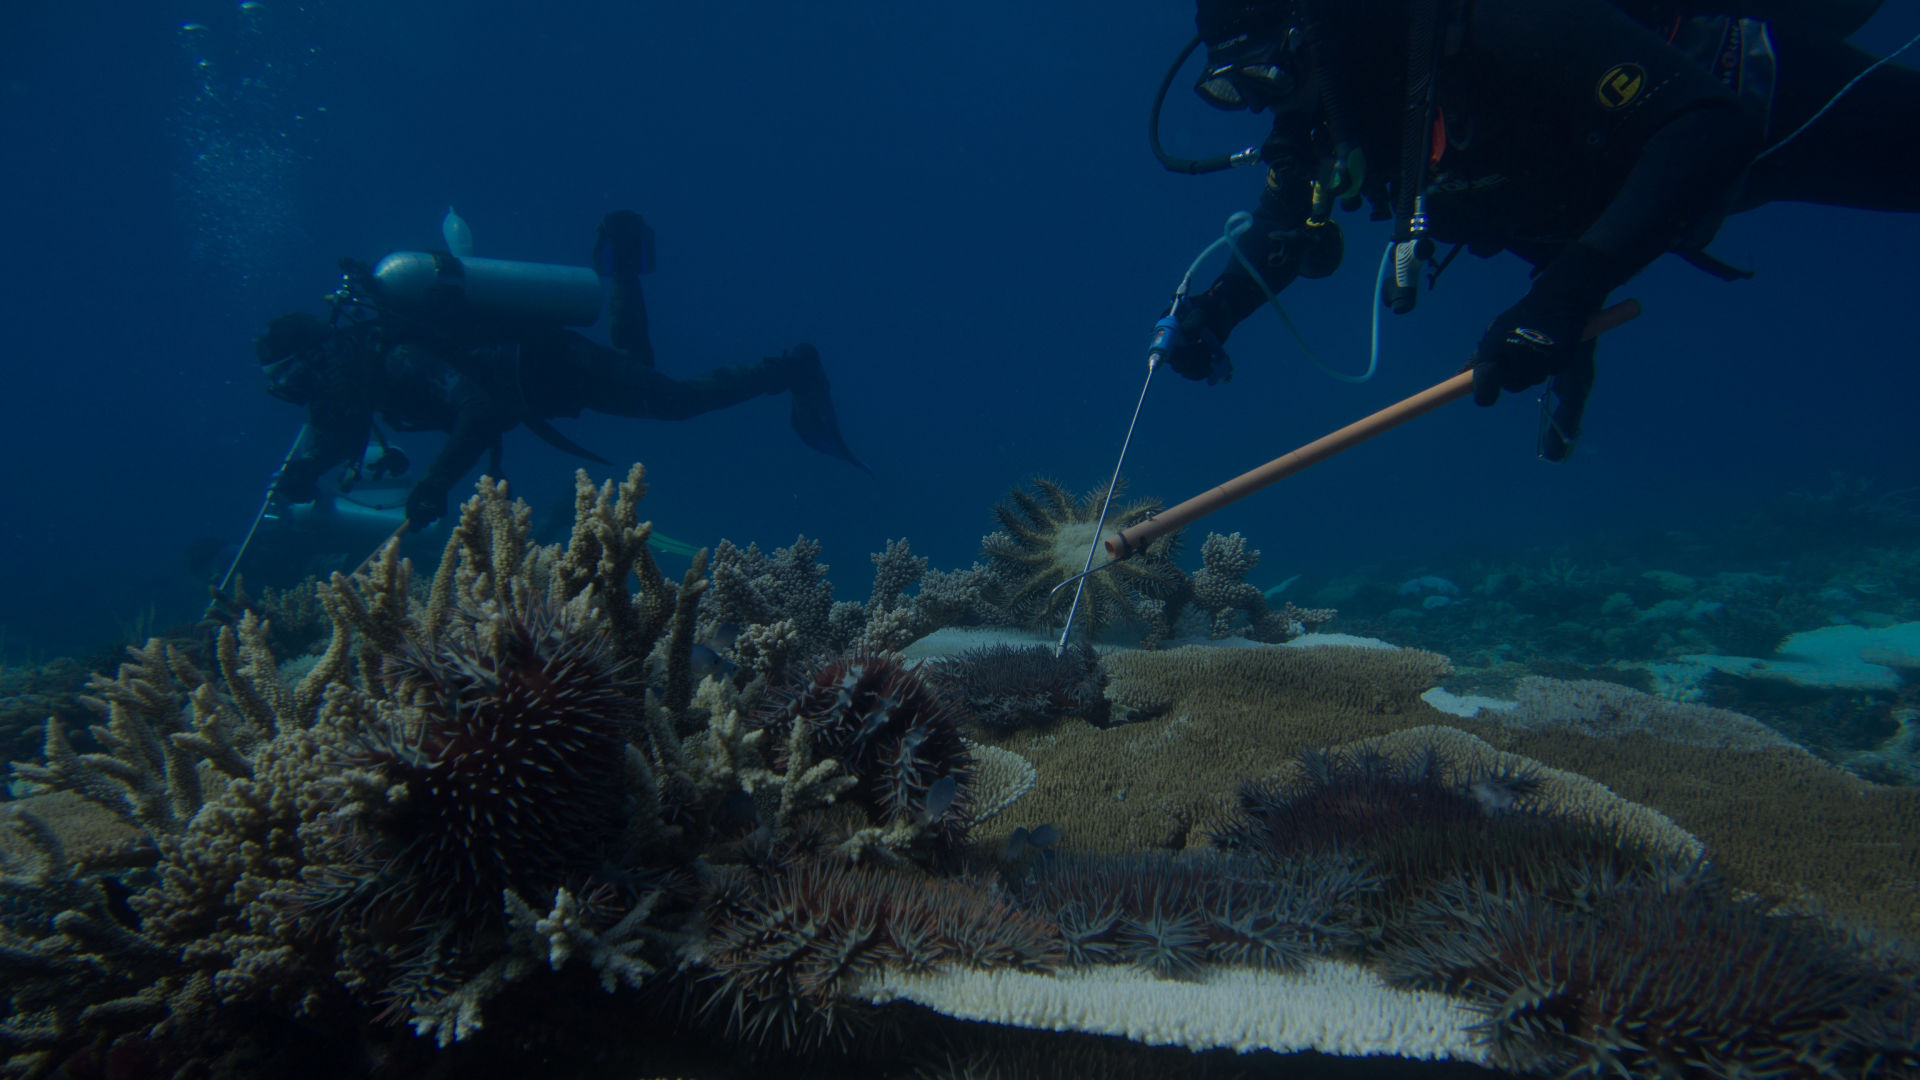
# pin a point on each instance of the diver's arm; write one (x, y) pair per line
(1682, 178)
(1280, 245)
(480, 418)
(1274, 243)
(1637, 99)
(1678, 138)
(334, 435)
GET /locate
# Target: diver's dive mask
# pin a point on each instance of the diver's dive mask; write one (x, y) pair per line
(292, 355)
(1250, 72)
(294, 379)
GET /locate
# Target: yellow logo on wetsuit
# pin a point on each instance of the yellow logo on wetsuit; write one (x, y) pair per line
(1620, 85)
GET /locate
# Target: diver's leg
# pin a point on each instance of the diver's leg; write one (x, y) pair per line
(1864, 153)
(647, 394)
(620, 253)
(627, 320)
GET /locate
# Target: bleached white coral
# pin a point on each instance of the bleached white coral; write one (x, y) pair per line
(1332, 1007)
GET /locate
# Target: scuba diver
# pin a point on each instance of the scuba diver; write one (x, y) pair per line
(476, 347)
(1588, 137)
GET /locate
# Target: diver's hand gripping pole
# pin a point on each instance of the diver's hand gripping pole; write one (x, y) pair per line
(1170, 334)
(1136, 537)
(1166, 337)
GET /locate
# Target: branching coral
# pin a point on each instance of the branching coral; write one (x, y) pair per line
(1220, 589)
(869, 719)
(510, 762)
(1044, 539)
(751, 588)
(355, 838)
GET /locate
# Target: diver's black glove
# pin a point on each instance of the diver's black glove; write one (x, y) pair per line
(1198, 353)
(299, 481)
(425, 505)
(1538, 338)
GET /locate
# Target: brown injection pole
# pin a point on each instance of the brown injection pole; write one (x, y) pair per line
(1132, 539)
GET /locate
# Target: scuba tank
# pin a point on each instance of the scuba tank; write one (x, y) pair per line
(426, 284)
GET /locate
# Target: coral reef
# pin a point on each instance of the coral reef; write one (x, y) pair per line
(1009, 687)
(1221, 591)
(1044, 538)
(387, 831)
(787, 947)
(506, 773)
(1419, 820)
(751, 588)
(1663, 972)
(29, 694)
(1609, 710)
(890, 741)
(1333, 1007)
(1172, 914)
(511, 809)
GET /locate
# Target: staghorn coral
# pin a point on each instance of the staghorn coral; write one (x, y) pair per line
(321, 848)
(1008, 687)
(1220, 589)
(1044, 539)
(751, 588)
(893, 739)
(959, 597)
(173, 769)
(29, 694)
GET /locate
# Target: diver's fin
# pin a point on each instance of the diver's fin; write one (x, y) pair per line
(623, 245)
(814, 422)
(552, 437)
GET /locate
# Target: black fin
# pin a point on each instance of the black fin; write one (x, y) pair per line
(815, 423)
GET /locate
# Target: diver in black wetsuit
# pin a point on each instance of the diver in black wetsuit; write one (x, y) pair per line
(476, 378)
(1586, 136)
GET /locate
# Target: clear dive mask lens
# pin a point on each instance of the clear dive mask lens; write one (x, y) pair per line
(1216, 89)
(1250, 81)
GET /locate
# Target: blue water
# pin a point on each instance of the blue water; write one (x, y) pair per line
(956, 203)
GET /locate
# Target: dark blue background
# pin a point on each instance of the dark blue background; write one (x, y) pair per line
(955, 202)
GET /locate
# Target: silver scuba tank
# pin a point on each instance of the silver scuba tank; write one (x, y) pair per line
(422, 283)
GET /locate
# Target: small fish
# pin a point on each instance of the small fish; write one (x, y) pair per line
(708, 661)
(250, 5)
(1016, 845)
(939, 799)
(1030, 843)
(723, 636)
